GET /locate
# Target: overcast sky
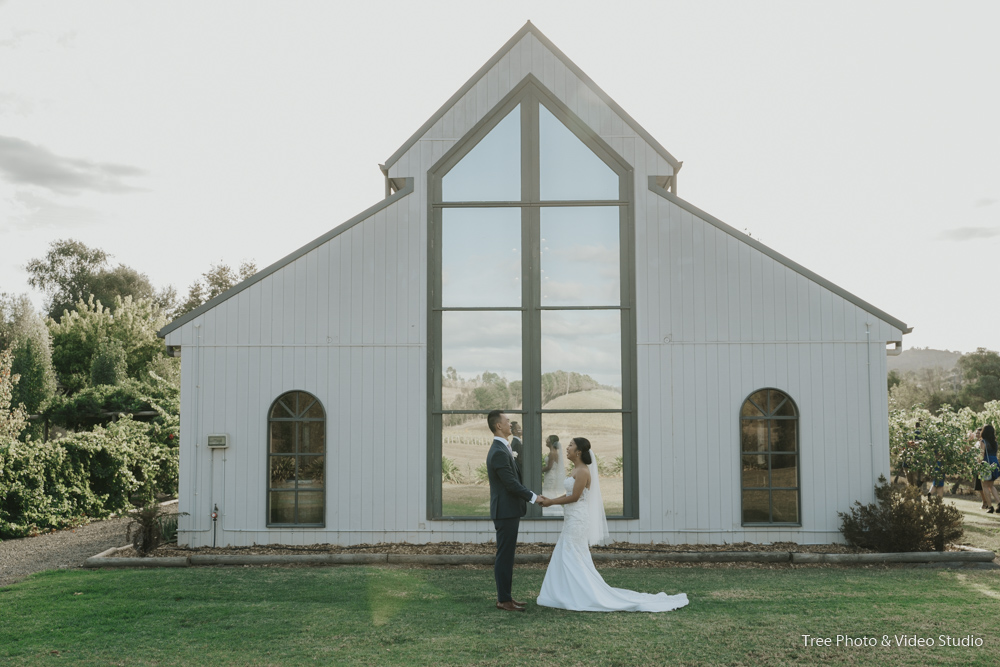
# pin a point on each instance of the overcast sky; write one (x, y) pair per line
(859, 139)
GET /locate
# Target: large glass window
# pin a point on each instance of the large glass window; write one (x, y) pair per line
(769, 458)
(296, 461)
(530, 296)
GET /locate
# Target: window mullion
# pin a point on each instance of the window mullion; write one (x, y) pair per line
(531, 297)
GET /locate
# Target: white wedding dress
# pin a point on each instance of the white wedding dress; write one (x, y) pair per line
(572, 582)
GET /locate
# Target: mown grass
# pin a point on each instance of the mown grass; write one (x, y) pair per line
(379, 616)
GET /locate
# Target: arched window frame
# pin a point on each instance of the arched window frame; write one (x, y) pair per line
(768, 414)
(526, 94)
(299, 458)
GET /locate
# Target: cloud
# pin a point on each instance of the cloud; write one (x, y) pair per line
(981, 203)
(25, 163)
(25, 210)
(970, 233)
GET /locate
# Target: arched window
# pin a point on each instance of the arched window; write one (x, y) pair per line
(296, 461)
(769, 458)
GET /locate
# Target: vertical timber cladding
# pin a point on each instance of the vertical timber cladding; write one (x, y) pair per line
(526, 99)
(690, 326)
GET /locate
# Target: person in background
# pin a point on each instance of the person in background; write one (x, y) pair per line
(518, 447)
(554, 472)
(988, 446)
(974, 437)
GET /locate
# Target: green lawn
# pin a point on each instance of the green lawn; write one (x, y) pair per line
(378, 616)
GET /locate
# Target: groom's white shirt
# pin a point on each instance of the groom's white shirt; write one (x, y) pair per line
(511, 452)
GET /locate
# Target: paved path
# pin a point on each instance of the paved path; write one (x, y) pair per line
(66, 549)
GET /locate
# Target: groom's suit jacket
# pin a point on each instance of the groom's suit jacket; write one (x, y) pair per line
(508, 497)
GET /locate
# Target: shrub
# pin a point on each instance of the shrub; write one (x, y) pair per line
(151, 526)
(56, 484)
(450, 471)
(613, 469)
(899, 520)
(482, 474)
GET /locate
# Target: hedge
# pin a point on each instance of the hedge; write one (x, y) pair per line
(57, 484)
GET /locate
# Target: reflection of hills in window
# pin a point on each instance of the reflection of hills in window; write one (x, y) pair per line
(561, 390)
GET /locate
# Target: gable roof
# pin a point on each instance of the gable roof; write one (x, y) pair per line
(530, 28)
(777, 256)
(655, 186)
(287, 259)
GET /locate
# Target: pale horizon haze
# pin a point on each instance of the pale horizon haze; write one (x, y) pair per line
(858, 139)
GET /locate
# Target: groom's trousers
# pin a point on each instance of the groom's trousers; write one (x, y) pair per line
(503, 566)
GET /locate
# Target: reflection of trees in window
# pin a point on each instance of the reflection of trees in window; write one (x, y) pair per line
(530, 296)
(769, 458)
(296, 461)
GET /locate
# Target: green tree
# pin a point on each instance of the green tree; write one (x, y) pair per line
(108, 365)
(893, 379)
(981, 374)
(23, 331)
(76, 337)
(930, 388)
(71, 272)
(13, 417)
(219, 278)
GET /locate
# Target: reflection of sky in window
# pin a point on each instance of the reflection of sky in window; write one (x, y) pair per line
(477, 341)
(570, 170)
(481, 257)
(492, 170)
(586, 342)
(580, 258)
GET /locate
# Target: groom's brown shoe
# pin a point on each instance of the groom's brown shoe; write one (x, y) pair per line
(509, 606)
(519, 604)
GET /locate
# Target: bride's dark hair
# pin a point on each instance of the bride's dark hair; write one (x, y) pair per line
(583, 446)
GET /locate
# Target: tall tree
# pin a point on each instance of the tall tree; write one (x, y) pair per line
(78, 337)
(219, 278)
(23, 332)
(13, 417)
(71, 272)
(981, 372)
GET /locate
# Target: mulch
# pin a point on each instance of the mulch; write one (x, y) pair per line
(488, 548)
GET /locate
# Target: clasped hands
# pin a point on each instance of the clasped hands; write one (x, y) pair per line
(543, 501)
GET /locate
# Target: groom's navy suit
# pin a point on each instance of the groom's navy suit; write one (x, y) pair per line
(508, 503)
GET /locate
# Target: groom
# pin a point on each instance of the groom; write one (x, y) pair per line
(507, 505)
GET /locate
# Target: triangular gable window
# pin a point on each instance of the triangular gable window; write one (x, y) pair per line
(492, 170)
(568, 169)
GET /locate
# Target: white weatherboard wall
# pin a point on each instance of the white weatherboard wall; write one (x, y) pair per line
(347, 321)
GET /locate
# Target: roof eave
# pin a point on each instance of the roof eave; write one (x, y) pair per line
(778, 257)
(286, 260)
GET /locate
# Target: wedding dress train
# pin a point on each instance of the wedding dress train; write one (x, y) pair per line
(571, 580)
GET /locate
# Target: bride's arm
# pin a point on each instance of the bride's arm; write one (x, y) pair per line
(582, 478)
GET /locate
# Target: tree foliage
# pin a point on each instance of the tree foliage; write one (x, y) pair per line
(56, 484)
(23, 332)
(77, 337)
(13, 416)
(71, 272)
(219, 278)
(981, 373)
(973, 382)
(938, 445)
(108, 366)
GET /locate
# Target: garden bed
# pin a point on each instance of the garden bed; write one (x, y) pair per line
(481, 555)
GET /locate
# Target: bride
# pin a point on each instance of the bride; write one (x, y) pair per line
(571, 580)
